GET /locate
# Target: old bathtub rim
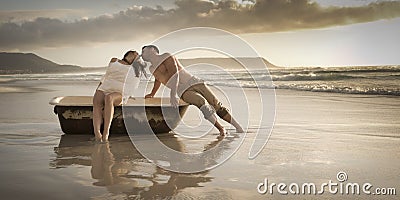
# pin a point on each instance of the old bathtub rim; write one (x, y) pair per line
(141, 101)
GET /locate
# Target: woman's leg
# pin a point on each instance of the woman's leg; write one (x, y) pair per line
(110, 100)
(98, 105)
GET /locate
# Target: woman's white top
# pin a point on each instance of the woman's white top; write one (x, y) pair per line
(119, 78)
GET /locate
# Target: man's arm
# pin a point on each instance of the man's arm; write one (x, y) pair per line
(98, 86)
(156, 86)
(172, 67)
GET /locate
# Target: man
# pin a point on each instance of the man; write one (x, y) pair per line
(167, 70)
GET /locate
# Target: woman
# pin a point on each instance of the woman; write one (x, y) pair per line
(115, 88)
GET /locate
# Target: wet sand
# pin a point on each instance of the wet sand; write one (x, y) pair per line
(315, 136)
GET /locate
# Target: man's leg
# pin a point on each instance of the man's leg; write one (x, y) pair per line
(208, 111)
(221, 111)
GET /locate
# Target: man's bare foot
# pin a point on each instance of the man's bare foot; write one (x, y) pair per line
(220, 137)
(223, 132)
(239, 130)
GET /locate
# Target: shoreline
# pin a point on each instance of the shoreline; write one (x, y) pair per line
(24, 86)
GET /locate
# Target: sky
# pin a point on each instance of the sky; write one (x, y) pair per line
(285, 32)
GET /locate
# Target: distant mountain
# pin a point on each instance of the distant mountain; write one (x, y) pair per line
(11, 63)
(227, 63)
(25, 63)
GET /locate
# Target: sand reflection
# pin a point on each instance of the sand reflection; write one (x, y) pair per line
(118, 166)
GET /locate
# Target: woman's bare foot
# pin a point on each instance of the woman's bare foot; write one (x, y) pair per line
(98, 137)
(105, 137)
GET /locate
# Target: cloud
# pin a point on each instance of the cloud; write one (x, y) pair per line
(18, 16)
(139, 21)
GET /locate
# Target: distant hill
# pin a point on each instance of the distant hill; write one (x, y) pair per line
(11, 63)
(228, 63)
(25, 63)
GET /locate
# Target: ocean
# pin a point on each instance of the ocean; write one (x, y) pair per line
(375, 80)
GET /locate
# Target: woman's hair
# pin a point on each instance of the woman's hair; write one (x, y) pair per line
(139, 67)
(126, 55)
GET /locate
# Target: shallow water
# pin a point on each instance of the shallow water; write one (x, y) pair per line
(315, 136)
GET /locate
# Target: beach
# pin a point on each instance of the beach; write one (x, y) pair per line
(316, 135)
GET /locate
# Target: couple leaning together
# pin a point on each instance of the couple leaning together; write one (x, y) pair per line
(166, 70)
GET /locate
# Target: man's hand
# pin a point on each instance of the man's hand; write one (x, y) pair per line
(156, 85)
(148, 96)
(174, 102)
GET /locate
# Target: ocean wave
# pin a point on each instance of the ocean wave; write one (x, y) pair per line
(77, 77)
(360, 69)
(382, 80)
(342, 89)
(310, 76)
(318, 88)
